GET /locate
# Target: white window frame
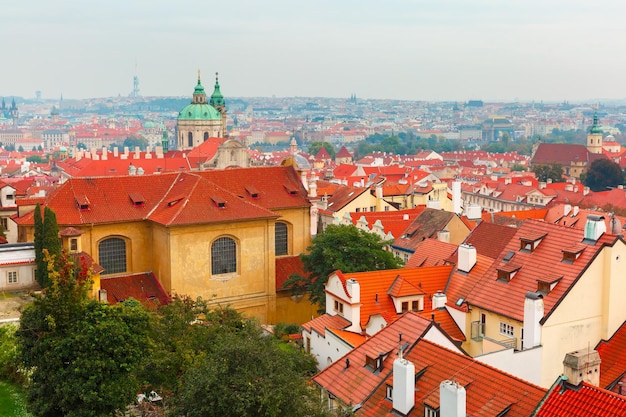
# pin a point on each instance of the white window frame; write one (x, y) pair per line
(12, 277)
(507, 329)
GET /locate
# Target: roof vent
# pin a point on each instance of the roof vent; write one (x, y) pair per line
(594, 228)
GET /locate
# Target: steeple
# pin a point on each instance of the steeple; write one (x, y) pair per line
(199, 96)
(217, 99)
(594, 138)
(165, 141)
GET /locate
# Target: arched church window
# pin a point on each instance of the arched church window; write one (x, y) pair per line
(223, 256)
(206, 136)
(112, 255)
(189, 139)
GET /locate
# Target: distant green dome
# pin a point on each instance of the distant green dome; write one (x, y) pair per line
(148, 125)
(63, 149)
(196, 111)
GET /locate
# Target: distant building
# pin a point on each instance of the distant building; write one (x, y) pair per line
(495, 127)
(201, 120)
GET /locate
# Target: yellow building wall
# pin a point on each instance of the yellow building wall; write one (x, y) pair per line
(593, 310)
(492, 331)
(293, 311)
(458, 230)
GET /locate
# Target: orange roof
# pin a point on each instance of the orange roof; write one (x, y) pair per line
(507, 298)
(582, 400)
(351, 338)
(177, 198)
(325, 321)
(613, 355)
(285, 267)
(357, 384)
(394, 222)
(431, 252)
(143, 287)
(377, 287)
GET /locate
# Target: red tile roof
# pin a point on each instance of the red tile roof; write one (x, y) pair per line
(613, 355)
(285, 267)
(143, 287)
(507, 298)
(431, 252)
(583, 400)
(177, 199)
(376, 286)
(394, 222)
(357, 385)
(325, 321)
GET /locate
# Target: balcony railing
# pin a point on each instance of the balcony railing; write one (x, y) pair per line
(478, 331)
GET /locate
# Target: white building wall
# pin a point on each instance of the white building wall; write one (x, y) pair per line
(525, 364)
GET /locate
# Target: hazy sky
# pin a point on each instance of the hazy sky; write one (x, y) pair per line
(508, 50)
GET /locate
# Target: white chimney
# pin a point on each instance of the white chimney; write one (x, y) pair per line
(443, 236)
(452, 399)
(104, 153)
(595, 227)
(582, 365)
(379, 192)
(575, 211)
(115, 152)
(467, 257)
(439, 300)
(472, 212)
(403, 386)
(533, 313)
(456, 197)
(566, 209)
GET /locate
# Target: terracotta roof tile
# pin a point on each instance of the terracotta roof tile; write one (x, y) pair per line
(508, 298)
(431, 252)
(613, 355)
(584, 400)
(143, 287)
(325, 321)
(285, 267)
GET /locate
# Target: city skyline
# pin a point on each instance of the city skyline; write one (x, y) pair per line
(447, 50)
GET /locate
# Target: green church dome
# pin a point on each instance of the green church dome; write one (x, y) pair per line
(148, 125)
(196, 111)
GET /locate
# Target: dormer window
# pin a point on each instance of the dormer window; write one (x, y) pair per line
(291, 190)
(507, 272)
(544, 286)
(572, 253)
(219, 202)
(374, 364)
(137, 199)
(82, 202)
(530, 242)
(252, 192)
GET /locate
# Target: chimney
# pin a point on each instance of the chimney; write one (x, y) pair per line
(542, 185)
(456, 197)
(507, 180)
(439, 300)
(467, 257)
(137, 154)
(452, 399)
(566, 209)
(443, 236)
(595, 227)
(473, 212)
(403, 386)
(585, 190)
(379, 192)
(104, 153)
(582, 365)
(115, 152)
(533, 313)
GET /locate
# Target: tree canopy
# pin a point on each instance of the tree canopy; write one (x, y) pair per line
(46, 236)
(315, 147)
(340, 247)
(552, 172)
(82, 355)
(603, 173)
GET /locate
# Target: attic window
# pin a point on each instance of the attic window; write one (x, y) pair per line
(544, 286)
(252, 191)
(572, 253)
(507, 272)
(530, 242)
(508, 256)
(374, 364)
(291, 190)
(82, 202)
(172, 201)
(219, 202)
(137, 199)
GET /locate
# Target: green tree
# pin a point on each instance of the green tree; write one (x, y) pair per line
(9, 356)
(46, 239)
(81, 145)
(315, 147)
(602, 174)
(20, 149)
(35, 158)
(131, 143)
(245, 373)
(40, 263)
(344, 248)
(83, 355)
(550, 171)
